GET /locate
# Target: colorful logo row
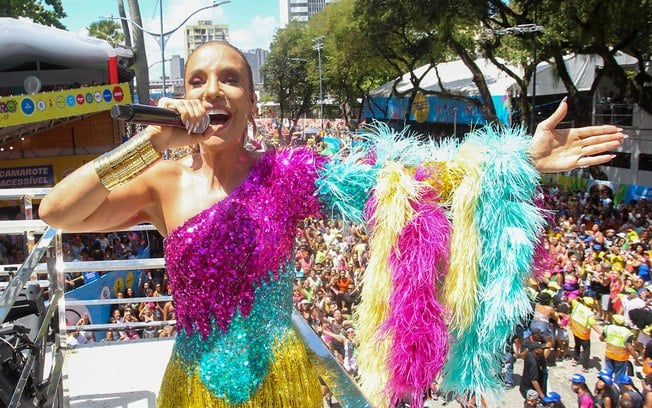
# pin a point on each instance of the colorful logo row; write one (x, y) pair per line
(27, 105)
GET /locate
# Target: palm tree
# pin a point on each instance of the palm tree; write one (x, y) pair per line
(107, 30)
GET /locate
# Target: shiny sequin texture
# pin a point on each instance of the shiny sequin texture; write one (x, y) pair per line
(290, 383)
(227, 266)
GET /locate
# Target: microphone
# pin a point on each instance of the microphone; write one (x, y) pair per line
(154, 115)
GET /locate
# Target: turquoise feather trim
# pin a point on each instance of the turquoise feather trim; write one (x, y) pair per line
(345, 182)
(509, 224)
(343, 186)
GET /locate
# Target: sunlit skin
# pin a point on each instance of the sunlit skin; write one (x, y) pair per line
(217, 80)
(554, 150)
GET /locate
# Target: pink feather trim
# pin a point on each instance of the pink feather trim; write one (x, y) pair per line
(416, 320)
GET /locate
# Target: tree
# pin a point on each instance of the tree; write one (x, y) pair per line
(285, 71)
(521, 49)
(46, 12)
(424, 32)
(390, 27)
(593, 27)
(107, 30)
(456, 22)
(350, 67)
(140, 56)
(605, 28)
(369, 41)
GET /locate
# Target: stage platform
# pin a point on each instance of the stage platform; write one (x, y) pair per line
(116, 375)
(128, 375)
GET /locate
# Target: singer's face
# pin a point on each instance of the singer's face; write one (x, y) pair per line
(218, 76)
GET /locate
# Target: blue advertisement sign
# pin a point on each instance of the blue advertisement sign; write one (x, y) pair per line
(638, 192)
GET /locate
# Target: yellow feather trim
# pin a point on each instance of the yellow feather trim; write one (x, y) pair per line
(395, 190)
(443, 177)
(461, 282)
(291, 382)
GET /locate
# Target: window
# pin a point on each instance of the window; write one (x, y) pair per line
(622, 160)
(645, 162)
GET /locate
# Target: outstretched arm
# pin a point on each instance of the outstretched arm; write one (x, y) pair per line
(555, 150)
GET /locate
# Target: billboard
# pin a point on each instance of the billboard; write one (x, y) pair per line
(434, 109)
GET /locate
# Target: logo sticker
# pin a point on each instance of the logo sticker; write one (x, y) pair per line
(27, 106)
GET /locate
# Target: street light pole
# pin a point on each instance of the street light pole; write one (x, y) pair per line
(157, 62)
(521, 29)
(162, 46)
(319, 45)
(162, 37)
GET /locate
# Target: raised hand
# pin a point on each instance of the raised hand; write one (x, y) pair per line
(556, 150)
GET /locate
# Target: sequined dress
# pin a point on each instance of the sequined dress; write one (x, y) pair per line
(230, 270)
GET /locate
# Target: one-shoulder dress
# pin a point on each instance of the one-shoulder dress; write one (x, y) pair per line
(230, 271)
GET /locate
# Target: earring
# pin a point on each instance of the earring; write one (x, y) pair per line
(249, 138)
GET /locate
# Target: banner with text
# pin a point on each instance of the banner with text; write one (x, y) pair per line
(28, 176)
(21, 109)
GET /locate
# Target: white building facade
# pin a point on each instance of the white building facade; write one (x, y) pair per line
(300, 10)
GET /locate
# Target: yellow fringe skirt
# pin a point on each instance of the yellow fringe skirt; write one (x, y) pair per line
(290, 382)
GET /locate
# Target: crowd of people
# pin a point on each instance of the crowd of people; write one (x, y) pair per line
(596, 287)
(330, 261)
(151, 284)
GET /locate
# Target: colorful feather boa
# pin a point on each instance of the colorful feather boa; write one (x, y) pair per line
(416, 320)
(487, 183)
(461, 284)
(392, 197)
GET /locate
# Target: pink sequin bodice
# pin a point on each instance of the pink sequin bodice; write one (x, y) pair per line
(217, 258)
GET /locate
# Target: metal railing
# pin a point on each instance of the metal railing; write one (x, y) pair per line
(49, 246)
(619, 114)
(29, 347)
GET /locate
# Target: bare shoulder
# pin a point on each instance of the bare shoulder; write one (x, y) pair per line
(159, 177)
(180, 191)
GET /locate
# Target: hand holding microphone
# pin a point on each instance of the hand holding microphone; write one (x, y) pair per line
(155, 115)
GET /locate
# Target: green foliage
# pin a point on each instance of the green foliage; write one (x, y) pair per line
(400, 32)
(108, 30)
(367, 42)
(595, 27)
(285, 71)
(46, 12)
(351, 68)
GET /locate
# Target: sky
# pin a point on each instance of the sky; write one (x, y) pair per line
(252, 23)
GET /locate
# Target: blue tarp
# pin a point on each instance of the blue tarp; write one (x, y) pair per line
(102, 287)
(442, 110)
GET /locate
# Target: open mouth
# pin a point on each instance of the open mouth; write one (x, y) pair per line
(219, 118)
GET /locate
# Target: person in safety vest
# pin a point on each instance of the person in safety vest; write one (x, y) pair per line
(581, 321)
(620, 345)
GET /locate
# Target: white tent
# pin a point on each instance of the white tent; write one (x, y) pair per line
(457, 78)
(22, 41)
(581, 69)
